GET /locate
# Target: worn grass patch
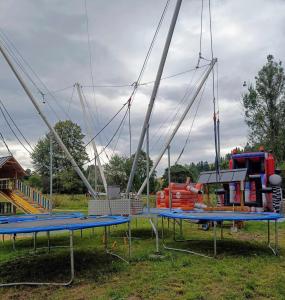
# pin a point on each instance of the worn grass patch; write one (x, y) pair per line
(244, 269)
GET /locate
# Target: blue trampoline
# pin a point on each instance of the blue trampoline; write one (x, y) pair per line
(30, 217)
(68, 222)
(215, 217)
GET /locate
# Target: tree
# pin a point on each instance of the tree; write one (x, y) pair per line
(178, 173)
(140, 174)
(264, 106)
(115, 171)
(65, 177)
(35, 181)
(119, 168)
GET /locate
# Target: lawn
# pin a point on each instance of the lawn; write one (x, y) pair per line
(244, 269)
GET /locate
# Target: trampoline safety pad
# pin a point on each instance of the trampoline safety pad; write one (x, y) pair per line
(67, 222)
(56, 224)
(222, 216)
(219, 216)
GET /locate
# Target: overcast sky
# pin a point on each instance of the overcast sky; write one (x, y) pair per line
(52, 37)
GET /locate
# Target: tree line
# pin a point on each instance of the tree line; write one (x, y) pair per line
(264, 113)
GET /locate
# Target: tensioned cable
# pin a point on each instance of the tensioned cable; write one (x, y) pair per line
(119, 135)
(111, 119)
(186, 95)
(3, 140)
(91, 71)
(110, 141)
(191, 127)
(14, 133)
(216, 130)
(89, 112)
(62, 89)
(137, 82)
(147, 82)
(13, 54)
(201, 33)
(21, 133)
(71, 98)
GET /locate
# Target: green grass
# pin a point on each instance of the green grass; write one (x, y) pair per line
(63, 202)
(244, 269)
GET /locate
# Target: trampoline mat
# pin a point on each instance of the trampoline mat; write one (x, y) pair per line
(223, 216)
(33, 217)
(54, 224)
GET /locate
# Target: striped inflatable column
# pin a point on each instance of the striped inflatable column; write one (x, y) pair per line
(276, 198)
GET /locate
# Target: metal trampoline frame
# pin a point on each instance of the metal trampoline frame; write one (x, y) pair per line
(71, 247)
(274, 249)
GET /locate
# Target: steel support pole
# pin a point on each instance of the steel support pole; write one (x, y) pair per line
(50, 172)
(14, 242)
(169, 178)
(56, 136)
(87, 122)
(35, 241)
(71, 257)
(268, 232)
(48, 236)
(130, 240)
(215, 238)
(276, 237)
(147, 169)
(154, 92)
(179, 122)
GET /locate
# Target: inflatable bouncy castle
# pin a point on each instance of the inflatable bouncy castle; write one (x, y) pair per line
(260, 190)
(180, 195)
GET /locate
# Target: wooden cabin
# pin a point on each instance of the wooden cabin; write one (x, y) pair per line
(10, 171)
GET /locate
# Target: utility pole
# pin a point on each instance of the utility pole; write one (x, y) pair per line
(87, 122)
(56, 136)
(154, 93)
(179, 123)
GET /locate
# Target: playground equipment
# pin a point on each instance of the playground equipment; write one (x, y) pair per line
(215, 217)
(251, 183)
(14, 194)
(71, 223)
(180, 196)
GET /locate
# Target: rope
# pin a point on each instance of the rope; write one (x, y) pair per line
(147, 82)
(137, 82)
(91, 71)
(188, 92)
(2, 138)
(216, 124)
(110, 141)
(14, 133)
(130, 131)
(110, 120)
(21, 133)
(194, 118)
(6, 42)
(71, 98)
(201, 33)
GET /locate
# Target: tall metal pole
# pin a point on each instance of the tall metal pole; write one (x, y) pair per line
(169, 178)
(147, 169)
(56, 136)
(87, 122)
(50, 172)
(154, 92)
(179, 123)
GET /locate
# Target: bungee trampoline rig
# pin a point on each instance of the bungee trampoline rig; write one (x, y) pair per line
(120, 210)
(70, 223)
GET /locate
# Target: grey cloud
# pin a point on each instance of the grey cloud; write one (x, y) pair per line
(51, 35)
